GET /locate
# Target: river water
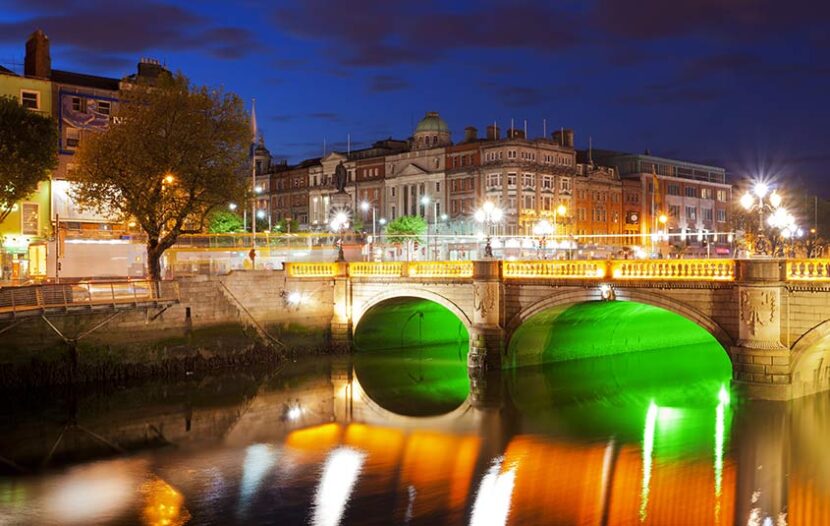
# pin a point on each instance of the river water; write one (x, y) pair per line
(406, 438)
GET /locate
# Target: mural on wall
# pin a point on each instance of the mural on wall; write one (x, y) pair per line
(84, 112)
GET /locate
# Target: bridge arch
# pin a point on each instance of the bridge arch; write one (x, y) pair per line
(573, 296)
(810, 361)
(360, 308)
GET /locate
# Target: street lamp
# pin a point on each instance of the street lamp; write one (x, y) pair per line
(542, 229)
(365, 206)
(339, 223)
(754, 200)
(489, 214)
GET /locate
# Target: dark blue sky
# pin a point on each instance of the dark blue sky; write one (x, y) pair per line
(741, 83)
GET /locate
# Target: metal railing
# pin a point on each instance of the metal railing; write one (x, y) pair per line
(98, 293)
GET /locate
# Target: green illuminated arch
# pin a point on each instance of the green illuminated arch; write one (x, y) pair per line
(595, 329)
(411, 356)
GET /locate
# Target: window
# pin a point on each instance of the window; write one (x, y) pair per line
(673, 189)
(529, 201)
(511, 154)
(78, 104)
(547, 182)
(493, 180)
(721, 215)
(674, 211)
(691, 191)
(707, 214)
(30, 99)
(691, 213)
(528, 180)
(393, 191)
(565, 185)
(30, 219)
(706, 193)
(104, 107)
(72, 137)
(438, 186)
(511, 180)
(722, 195)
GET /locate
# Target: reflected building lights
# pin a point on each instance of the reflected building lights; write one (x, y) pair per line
(648, 453)
(492, 505)
(259, 458)
(720, 435)
(339, 477)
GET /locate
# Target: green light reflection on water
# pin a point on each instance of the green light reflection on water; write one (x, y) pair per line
(411, 357)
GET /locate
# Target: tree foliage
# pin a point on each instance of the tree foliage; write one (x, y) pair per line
(28, 151)
(398, 229)
(225, 222)
(178, 154)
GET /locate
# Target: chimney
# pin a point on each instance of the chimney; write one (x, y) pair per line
(470, 134)
(492, 132)
(37, 63)
(569, 138)
(150, 68)
(514, 133)
(564, 137)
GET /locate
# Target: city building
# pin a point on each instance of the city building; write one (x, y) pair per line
(26, 230)
(681, 205)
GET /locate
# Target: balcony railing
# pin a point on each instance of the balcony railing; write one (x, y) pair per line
(554, 269)
(15, 300)
(808, 270)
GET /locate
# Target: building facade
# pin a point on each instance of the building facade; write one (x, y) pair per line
(26, 230)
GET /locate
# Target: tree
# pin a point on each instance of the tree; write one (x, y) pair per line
(404, 227)
(178, 155)
(225, 222)
(28, 149)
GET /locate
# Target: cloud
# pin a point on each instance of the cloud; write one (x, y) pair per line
(282, 117)
(744, 20)
(129, 28)
(671, 93)
(520, 96)
(325, 116)
(379, 33)
(384, 83)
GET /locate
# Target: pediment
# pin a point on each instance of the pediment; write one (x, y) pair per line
(412, 169)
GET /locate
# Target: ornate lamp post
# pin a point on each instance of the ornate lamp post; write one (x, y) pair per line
(489, 214)
(755, 200)
(339, 223)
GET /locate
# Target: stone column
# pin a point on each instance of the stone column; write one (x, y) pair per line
(486, 335)
(761, 361)
(341, 321)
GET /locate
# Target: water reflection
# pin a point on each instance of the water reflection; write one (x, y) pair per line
(553, 445)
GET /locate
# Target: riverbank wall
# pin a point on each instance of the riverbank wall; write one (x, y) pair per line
(242, 318)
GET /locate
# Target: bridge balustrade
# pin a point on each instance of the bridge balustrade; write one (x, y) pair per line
(311, 270)
(376, 269)
(675, 269)
(440, 269)
(554, 269)
(808, 269)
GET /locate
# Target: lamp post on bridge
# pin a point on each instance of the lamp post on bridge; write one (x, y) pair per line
(489, 214)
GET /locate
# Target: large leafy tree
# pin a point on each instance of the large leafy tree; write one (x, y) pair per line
(178, 155)
(28, 152)
(225, 222)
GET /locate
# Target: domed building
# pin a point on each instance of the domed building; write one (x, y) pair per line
(431, 131)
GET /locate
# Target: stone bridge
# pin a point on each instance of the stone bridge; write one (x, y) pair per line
(771, 316)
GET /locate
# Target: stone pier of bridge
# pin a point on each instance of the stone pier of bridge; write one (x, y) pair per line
(771, 316)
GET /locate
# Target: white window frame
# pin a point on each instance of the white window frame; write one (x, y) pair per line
(31, 92)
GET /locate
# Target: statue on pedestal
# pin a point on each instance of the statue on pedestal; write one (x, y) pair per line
(340, 178)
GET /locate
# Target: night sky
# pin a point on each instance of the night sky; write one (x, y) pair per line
(739, 83)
